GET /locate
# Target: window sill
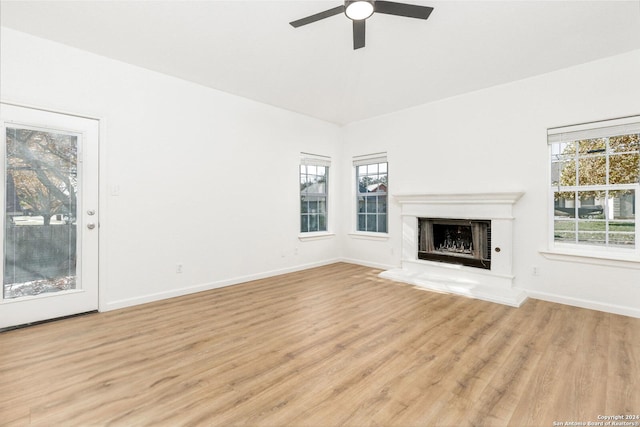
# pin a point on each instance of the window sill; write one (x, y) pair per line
(595, 258)
(369, 236)
(319, 235)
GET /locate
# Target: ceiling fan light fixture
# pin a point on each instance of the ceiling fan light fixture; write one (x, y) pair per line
(358, 10)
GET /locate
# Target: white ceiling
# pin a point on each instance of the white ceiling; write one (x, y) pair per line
(249, 49)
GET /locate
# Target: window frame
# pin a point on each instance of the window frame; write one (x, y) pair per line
(366, 160)
(314, 160)
(604, 130)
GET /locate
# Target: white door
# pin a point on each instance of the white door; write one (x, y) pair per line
(49, 237)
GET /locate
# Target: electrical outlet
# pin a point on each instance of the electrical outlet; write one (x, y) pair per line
(178, 268)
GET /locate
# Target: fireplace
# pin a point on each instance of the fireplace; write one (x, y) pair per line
(444, 251)
(455, 241)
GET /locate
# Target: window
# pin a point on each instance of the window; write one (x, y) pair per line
(371, 193)
(594, 179)
(314, 181)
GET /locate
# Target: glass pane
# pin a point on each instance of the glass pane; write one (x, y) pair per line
(362, 222)
(591, 204)
(40, 224)
(381, 183)
(592, 232)
(303, 183)
(371, 204)
(622, 233)
(592, 238)
(563, 173)
(313, 205)
(304, 223)
(592, 146)
(382, 204)
(622, 226)
(322, 222)
(624, 168)
(382, 168)
(313, 222)
(315, 184)
(564, 231)
(320, 188)
(362, 170)
(624, 143)
(372, 169)
(623, 204)
(312, 170)
(322, 205)
(565, 236)
(364, 182)
(303, 169)
(592, 170)
(563, 150)
(371, 223)
(321, 170)
(304, 207)
(564, 204)
(592, 225)
(361, 204)
(626, 241)
(382, 223)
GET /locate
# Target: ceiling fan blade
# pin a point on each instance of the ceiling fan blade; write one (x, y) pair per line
(402, 9)
(318, 16)
(358, 34)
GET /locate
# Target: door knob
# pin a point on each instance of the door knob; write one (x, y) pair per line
(91, 226)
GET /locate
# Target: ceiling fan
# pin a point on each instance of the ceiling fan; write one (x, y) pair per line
(359, 10)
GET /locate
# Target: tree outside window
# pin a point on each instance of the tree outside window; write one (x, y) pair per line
(595, 182)
(41, 179)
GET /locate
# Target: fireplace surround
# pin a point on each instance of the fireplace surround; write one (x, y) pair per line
(463, 214)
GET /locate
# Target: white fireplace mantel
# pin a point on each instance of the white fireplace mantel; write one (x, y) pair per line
(495, 284)
(455, 198)
(459, 205)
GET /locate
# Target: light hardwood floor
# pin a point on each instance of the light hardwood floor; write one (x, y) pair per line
(334, 345)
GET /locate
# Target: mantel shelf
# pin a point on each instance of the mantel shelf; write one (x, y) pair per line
(458, 198)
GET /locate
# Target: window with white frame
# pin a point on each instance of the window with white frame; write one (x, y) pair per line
(314, 189)
(595, 170)
(372, 186)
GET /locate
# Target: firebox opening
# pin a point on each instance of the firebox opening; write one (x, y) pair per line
(455, 241)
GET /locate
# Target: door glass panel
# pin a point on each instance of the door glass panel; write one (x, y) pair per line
(40, 218)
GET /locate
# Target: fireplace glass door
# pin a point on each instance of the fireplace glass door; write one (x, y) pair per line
(456, 241)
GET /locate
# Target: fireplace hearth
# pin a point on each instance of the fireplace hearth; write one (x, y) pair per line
(455, 241)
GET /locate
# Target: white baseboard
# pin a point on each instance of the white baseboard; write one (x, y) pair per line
(129, 302)
(592, 305)
(367, 263)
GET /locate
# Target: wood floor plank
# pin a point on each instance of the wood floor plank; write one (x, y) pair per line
(623, 376)
(335, 345)
(498, 400)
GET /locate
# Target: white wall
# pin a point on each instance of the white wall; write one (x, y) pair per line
(209, 180)
(205, 178)
(495, 140)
